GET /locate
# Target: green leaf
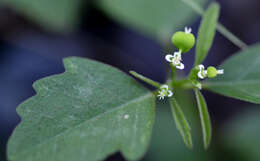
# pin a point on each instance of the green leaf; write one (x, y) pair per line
(241, 134)
(85, 114)
(204, 118)
(241, 79)
(206, 32)
(54, 15)
(181, 122)
(158, 19)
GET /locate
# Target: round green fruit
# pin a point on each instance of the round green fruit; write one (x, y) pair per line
(212, 72)
(183, 41)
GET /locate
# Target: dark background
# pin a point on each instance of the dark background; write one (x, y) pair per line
(28, 52)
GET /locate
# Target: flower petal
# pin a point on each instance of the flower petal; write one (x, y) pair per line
(187, 30)
(170, 93)
(165, 87)
(169, 57)
(200, 75)
(180, 66)
(201, 67)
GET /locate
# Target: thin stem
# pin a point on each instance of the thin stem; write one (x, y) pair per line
(145, 79)
(186, 84)
(173, 71)
(224, 31)
(194, 6)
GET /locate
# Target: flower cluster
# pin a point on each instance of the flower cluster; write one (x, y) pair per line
(184, 41)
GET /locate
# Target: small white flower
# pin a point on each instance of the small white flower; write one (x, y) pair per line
(202, 72)
(164, 92)
(187, 30)
(175, 59)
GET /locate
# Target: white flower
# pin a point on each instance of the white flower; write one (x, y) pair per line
(187, 30)
(175, 59)
(202, 72)
(164, 92)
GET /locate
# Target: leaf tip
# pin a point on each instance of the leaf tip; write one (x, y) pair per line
(189, 144)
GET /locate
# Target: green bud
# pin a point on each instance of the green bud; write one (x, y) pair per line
(183, 41)
(212, 72)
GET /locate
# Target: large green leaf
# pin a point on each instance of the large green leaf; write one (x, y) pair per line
(206, 32)
(85, 114)
(241, 79)
(56, 15)
(158, 19)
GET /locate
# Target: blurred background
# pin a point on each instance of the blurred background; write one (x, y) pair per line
(132, 35)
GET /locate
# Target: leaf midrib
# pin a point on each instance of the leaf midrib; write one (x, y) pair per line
(93, 118)
(231, 82)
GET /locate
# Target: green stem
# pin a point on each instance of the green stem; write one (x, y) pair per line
(186, 84)
(173, 71)
(145, 79)
(224, 31)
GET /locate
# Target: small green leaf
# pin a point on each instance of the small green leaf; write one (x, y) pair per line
(206, 32)
(85, 114)
(241, 78)
(54, 15)
(157, 19)
(181, 122)
(204, 118)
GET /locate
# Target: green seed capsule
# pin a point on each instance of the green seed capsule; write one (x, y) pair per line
(212, 72)
(183, 41)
